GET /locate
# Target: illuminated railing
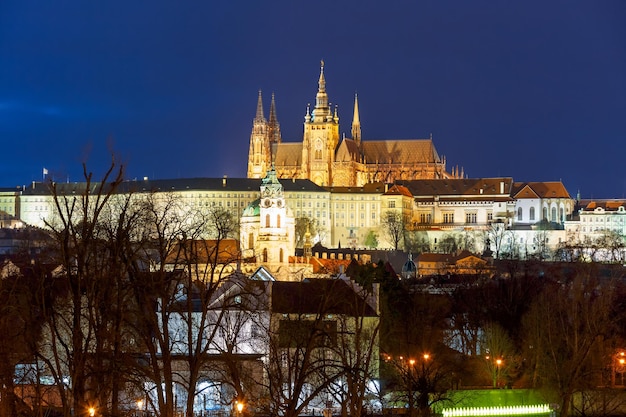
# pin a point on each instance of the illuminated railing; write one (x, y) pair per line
(514, 410)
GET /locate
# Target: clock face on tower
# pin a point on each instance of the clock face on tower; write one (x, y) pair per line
(267, 202)
(318, 144)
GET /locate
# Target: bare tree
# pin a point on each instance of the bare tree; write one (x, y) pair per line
(358, 351)
(565, 326)
(190, 254)
(392, 226)
(304, 225)
(82, 326)
(498, 350)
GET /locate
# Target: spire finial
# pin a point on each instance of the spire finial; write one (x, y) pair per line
(273, 125)
(259, 108)
(322, 80)
(356, 122)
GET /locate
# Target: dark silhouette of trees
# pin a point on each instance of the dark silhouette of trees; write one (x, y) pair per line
(566, 328)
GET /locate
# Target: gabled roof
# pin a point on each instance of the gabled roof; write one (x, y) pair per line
(328, 266)
(448, 258)
(539, 189)
(204, 252)
(463, 187)
(288, 154)
(435, 257)
(319, 296)
(347, 151)
(399, 190)
(607, 205)
(408, 151)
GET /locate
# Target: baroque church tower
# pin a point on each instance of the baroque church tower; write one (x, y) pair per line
(321, 137)
(267, 229)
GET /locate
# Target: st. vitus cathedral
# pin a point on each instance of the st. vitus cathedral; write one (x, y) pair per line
(330, 160)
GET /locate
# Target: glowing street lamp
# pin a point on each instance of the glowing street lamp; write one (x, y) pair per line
(92, 412)
(497, 374)
(239, 406)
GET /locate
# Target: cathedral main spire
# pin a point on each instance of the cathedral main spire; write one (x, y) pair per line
(321, 111)
(259, 109)
(356, 123)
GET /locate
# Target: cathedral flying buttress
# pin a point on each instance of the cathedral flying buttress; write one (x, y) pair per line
(325, 158)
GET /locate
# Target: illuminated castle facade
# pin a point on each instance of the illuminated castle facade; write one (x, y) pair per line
(329, 160)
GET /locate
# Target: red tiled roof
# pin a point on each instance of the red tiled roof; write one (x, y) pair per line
(540, 189)
(399, 190)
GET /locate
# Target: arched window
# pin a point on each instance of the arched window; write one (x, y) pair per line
(532, 214)
(545, 213)
(267, 220)
(553, 214)
(264, 254)
(250, 240)
(278, 220)
(280, 256)
(318, 154)
(519, 214)
(561, 215)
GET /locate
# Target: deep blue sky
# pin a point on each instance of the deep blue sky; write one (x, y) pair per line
(535, 90)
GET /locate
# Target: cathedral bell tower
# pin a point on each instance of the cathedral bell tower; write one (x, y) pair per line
(321, 136)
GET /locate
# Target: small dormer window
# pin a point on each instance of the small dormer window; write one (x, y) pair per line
(238, 299)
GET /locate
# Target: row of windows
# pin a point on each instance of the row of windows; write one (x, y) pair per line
(310, 204)
(607, 219)
(343, 215)
(599, 229)
(351, 224)
(448, 217)
(531, 214)
(351, 206)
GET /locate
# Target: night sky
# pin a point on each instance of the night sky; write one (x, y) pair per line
(535, 90)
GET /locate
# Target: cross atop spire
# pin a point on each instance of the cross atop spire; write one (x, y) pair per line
(322, 80)
(322, 109)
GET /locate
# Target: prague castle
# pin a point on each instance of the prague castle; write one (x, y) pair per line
(327, 159)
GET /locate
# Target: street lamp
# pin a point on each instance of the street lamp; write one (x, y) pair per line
(92, 412)
(497, 374)
(239, 405)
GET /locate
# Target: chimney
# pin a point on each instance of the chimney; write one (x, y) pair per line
(224, 181)
(501, 187)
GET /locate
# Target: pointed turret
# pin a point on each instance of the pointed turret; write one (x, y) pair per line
(259, 109)
(356, 123)
(273, 125)
(259, 156)
(321, 110)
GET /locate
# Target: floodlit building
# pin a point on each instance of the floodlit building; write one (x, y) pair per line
(327, 159)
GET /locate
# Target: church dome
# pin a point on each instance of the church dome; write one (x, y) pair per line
(409, 269)
(253, 209)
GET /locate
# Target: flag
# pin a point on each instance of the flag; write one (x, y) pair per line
(45, 172)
